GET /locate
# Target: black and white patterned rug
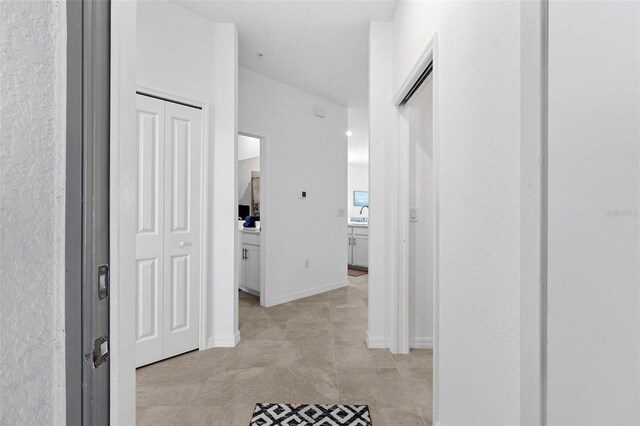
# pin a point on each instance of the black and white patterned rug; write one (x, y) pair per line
(310, 414)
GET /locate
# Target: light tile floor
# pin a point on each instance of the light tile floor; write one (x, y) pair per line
(308, 351)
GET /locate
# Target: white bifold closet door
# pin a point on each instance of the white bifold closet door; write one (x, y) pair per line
(168, 229)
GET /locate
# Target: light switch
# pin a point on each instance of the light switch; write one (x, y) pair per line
(342, 213)
(413, 214)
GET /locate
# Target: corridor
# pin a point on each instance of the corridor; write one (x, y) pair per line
(309, 351)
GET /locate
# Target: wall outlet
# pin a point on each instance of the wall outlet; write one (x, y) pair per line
(342, 213)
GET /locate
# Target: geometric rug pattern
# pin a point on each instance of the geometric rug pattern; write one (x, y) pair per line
(310, 414)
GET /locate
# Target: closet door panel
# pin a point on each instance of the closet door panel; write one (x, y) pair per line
(149, 237)
(183, 144)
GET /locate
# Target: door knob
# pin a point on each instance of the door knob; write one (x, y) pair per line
(184, 244)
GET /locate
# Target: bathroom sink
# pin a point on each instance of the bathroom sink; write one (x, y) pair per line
(359, 219)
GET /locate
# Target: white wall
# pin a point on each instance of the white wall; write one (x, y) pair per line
(248, 147)
(382, 180)
(302, 153)
(358, 151)
(188, 56)
(32, 207)
(357, 180)
(419, 114)
(245, 167)
(478, 123)
(594, 224)
(358, 116)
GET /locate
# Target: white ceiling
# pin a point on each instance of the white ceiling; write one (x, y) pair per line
(317, 46)
(321, 47)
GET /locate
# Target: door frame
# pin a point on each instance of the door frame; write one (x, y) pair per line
(264, 206)
(399, 318)
(204, 203)
(123, 181)
(534, 43)
(87, 223)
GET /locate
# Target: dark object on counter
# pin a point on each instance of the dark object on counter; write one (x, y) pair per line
(243, 211)
(250, 221)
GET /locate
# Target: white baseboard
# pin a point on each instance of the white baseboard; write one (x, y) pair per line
(224, 341)
(421, 343)
(376, 342)
(304, 293)
(249, 290)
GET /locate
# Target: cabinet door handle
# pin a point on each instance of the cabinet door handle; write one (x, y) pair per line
(246, 254)
(354, 241)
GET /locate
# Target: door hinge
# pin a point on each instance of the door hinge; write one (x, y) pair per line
(103, 282)
(100, 351)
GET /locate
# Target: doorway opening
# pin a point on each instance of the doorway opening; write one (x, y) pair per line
(418, 113)
(358, 214)
(251, 195)
(418, 220)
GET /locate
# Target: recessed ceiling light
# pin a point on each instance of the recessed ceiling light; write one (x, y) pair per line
(349, 132)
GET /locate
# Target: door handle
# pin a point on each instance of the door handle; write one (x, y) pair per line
(184, 243)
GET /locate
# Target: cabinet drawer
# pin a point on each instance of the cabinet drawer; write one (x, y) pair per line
(253, 239)
(361, 231)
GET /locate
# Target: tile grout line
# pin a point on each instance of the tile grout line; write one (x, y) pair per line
(286, 326)
(333, 349)
(331, 304)
(415, 404)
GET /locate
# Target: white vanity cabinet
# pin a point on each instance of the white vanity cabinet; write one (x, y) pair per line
(250, 262)
(350, 249)
(358, 251)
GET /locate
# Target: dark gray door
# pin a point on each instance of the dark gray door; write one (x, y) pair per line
(87, 239)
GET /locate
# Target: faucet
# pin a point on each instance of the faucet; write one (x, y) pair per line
(363, 208)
